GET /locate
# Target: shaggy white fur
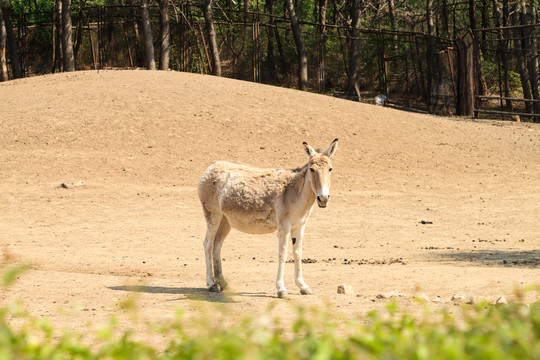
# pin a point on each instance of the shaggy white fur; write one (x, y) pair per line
(259, 201)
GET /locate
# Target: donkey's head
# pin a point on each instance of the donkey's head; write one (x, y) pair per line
(319, 168)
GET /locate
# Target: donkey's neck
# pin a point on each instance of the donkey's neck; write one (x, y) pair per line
(303, 189)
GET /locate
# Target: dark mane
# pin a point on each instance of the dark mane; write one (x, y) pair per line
(300, 169)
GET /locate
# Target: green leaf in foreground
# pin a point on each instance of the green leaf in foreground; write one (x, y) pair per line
(11, 274)
(483, 332)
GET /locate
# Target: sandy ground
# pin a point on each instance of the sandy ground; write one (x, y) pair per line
(140, 141)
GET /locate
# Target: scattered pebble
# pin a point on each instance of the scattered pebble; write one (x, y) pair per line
(501, 301)
(439, 300)
(68, 185)
(390, 295)
(462, 299)
(367, 261)
(345, 289)
(304, 261)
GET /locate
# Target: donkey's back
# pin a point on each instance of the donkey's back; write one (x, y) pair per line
(245, 195)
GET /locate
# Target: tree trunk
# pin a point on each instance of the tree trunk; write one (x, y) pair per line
(429, 17)
(472, 14)
(502, 48)
(283, 62)
(270, 57)
(246, 9)
(391, 7)
(520, 45)
(533, 61)
(212, 38)
(58, 54)
(79, 29)
(67, 44)
(3, 41)
(165, 35)
(444, 19)
(430, 53)
(480, 80)
(136, 36)
(53, 39)
(322, 44)
(301, 48)
(273, 33)
(354, 53)
(12, 44)
(485, 24)
(148, 42)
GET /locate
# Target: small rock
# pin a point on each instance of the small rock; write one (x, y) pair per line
(345, 289)
(459, 299)
(395, 294)
(67, 185)
(389, 295)
(501, 301)
(439, 300)
(462, 299)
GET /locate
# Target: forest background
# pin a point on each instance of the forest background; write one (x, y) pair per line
(452, 57)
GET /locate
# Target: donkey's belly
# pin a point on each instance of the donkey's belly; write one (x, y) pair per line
(252, 223)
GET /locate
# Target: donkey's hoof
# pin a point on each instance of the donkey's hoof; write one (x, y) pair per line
(222, 284)
(214, 288)
(306, 291)
(283, 294)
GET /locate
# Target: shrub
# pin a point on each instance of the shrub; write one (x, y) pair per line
(477, 332)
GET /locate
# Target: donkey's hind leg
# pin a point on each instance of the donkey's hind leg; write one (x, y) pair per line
(213, 219)
(223, 231)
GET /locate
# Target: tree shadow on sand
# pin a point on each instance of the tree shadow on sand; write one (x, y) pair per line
(199, 294)
(527, 258)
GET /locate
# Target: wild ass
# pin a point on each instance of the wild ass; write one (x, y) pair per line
(261, 201)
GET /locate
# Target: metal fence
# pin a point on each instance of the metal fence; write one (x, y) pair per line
(507, 72)
(412, 69)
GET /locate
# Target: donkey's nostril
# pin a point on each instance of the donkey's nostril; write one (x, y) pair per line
(323, 198)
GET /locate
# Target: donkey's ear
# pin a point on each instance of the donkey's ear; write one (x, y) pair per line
(331, 150)
(309, 150)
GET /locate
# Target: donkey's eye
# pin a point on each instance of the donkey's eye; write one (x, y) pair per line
(312, 169)
(330, 169)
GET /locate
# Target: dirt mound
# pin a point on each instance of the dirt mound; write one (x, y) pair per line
(170, 126)
(456, 201)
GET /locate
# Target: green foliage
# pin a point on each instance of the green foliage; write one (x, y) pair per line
(485, 332)
(11, 274)
(476, 332)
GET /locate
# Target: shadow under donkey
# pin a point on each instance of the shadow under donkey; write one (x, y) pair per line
(200, 294)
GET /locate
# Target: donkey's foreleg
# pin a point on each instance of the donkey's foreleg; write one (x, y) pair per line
(297, 237)
(283, 234)
(208, 249)
(212, 226)
(223, 231)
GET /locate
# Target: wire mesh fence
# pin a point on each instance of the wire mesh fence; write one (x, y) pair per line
(508, 72)
(411, 69)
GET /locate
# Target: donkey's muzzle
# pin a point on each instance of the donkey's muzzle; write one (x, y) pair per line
(322, 200)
